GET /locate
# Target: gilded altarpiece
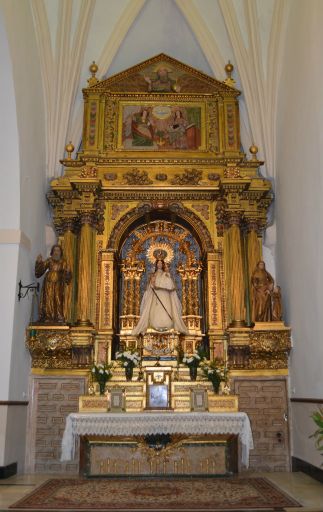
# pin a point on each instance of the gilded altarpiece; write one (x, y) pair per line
(161, 169)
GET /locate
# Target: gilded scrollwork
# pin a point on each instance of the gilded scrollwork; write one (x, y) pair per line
(88, 172)
(213, 127)
(203, 209)
(110, 120)
(188, 177)
(50, 349)
(117, 209)
(137, 177)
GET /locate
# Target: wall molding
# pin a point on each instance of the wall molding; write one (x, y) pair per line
(307, 468)
(307, 400)
(15, 236)
(9, 470)
(13, 402)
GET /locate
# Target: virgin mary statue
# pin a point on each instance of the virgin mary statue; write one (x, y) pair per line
(160, 307)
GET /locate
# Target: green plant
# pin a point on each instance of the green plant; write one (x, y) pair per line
(317, 416)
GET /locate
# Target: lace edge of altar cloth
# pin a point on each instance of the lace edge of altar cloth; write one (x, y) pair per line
(121, 424)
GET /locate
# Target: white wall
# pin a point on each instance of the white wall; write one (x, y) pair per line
(299, 209)
(23, 209)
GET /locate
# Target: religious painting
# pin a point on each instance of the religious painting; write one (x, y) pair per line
(151, 126)
(158, 396)
(198, 400)
(117, 400)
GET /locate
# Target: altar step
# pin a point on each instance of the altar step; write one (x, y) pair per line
(183, 393)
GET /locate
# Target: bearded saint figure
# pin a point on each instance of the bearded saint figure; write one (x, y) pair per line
(57, 275)
(160, 307)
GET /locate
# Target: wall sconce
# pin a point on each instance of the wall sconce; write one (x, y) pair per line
(28, 287)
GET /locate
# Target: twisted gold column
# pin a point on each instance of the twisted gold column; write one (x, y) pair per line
(195, 296)
(137, 295)
(85, 271)
(184, 295)
(132, 295)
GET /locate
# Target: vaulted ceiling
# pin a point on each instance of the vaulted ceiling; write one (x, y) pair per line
(120, 33)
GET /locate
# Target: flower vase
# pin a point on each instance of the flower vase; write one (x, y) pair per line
(216, 387)
(129, 372)
(193, 372)
(102, 388)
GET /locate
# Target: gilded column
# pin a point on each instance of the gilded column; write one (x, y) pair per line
(137, 295)
(182, 272)
(236, 284)
(85, 273)
(132, 294)
(69, 243)
(253, 245)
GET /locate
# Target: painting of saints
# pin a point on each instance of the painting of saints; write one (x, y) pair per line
(177, 131)
(142, 129)
(160, 307)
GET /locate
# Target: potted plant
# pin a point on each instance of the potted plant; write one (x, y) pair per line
(101, 373)
(318, 434)
(215, 372)
(128, 359)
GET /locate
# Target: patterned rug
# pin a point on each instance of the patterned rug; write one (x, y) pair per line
(238, 494)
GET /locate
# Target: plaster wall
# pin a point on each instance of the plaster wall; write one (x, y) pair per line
(299, 211)
(23, 211)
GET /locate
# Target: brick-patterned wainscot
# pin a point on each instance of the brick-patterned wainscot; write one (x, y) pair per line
(52, 399)
(265, 402)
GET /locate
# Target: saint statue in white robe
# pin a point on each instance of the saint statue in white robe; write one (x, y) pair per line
(160, 307)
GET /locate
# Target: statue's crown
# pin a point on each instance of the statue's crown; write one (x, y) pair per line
(160, 254)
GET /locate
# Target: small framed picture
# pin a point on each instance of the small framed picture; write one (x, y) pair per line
(117, 400)
(158, 396)
(199, 399)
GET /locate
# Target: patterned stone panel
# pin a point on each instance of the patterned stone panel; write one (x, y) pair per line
(265, 402)
(53, 398)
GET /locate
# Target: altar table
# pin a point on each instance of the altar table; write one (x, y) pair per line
(138, 424)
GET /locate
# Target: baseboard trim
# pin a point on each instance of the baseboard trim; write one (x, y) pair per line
(13, 402)
(307, 468)
(307, 400)
(7, 471)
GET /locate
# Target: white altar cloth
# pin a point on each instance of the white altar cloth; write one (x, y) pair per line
(132, 424)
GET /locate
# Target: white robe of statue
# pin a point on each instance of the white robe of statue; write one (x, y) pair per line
(165, 316)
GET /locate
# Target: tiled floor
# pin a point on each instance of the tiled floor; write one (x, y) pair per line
(304, 489)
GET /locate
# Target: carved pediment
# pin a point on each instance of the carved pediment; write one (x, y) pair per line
(163, 74)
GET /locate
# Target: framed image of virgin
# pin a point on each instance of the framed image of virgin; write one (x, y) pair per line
(161, 126)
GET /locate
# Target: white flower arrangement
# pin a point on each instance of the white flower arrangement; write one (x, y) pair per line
(192, 360)
(101, 372)
(128, 358)
(215, 371)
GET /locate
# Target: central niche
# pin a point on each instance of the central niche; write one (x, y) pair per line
(180, 250)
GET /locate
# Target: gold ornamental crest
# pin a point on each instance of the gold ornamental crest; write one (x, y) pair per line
(160, 250)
